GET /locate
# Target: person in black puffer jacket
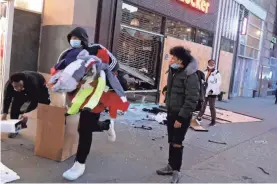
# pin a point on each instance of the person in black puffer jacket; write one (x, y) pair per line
(182, 95)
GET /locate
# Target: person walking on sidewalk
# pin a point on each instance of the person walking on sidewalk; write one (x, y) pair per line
(24, 87)
(183, 88)
(212, 85)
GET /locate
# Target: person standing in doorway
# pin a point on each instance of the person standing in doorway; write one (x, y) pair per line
(212, 85)
(183, 88)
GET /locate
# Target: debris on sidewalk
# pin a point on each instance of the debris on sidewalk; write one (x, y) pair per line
(163, 123)
(263, 170)
(216, 142)
(246, 178)
(157, 138)
(160, 117)
(7, 175)
(261, 142)
(196, 126)
(154, 110)
(144, 127)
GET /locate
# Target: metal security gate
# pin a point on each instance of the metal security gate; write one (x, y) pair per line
(139, 55)
(140, 51)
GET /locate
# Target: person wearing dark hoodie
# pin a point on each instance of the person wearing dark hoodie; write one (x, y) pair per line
(183, 90)
(24, 87)
(89, 120)
(78, 39)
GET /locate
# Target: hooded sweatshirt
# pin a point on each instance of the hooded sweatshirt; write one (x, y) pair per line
(71, 54)
(183, 90)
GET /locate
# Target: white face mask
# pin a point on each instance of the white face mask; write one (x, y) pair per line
(75, 43)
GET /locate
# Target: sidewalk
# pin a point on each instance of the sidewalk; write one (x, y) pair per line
(134, 157)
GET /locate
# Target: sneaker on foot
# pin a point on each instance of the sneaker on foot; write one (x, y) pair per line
(212, 123)
(176, 176)
(165, 171)
(74, 172)
(111, 132)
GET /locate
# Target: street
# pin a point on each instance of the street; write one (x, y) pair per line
(248, 156)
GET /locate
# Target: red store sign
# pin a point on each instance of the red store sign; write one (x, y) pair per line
(201, 5)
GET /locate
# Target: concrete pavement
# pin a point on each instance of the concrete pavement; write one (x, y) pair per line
(134, 157)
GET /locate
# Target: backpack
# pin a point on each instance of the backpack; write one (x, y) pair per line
(201, 77)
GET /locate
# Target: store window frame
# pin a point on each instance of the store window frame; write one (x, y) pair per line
(7, 47)
(226, 45)
(163, 25)
(146, 10)
(184, 29)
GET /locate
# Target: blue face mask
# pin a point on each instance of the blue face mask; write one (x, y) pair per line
(75, 43)
(175, 66)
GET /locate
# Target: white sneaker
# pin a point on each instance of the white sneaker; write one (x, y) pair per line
(75, 171)
(111, 132)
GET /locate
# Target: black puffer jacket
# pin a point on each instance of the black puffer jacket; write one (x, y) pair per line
(183, 90)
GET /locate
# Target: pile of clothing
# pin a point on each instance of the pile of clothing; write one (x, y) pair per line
(88, 80)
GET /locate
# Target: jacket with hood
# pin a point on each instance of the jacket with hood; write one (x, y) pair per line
(183, 90)
(213, 82)
(70, 55)
(69, 69)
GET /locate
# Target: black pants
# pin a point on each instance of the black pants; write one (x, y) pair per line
(88, 123)
(275, 99)
(211, 99)
(176, 136)
(20, 99)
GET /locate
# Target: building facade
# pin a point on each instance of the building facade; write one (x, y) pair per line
(143, 26)
(268, 69)
(247, 61)
(140, 33)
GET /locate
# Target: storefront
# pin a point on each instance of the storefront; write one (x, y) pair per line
(247, 67)
(269, 71)
(144, 28)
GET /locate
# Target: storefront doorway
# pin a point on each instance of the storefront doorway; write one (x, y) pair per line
(245, 74)
(139, 52)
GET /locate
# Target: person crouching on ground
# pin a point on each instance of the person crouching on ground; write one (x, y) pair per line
(24, 87)
(212, 85)
(183, 88)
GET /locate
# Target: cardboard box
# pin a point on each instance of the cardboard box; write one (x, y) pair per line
(56, 136)
(12, 126)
